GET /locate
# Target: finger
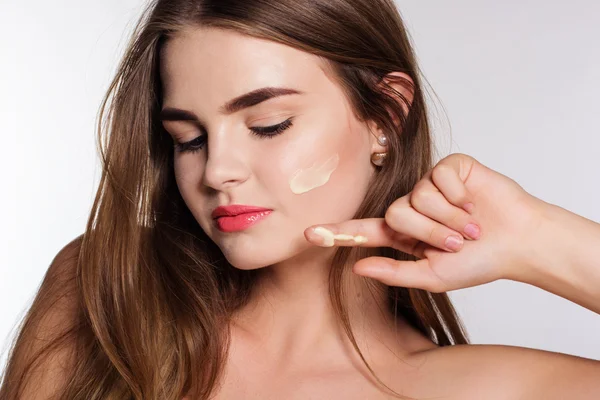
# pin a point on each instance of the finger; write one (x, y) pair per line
(367, 232)
(405, 235)
(435, 205)
(450, 175)
(410, 274)
(408, 221)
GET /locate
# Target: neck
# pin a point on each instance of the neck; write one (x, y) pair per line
(292, 319)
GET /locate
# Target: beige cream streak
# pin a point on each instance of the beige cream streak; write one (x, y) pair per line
(316, 175)
(330, 237)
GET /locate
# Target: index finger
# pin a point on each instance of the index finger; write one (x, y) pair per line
(367, 232)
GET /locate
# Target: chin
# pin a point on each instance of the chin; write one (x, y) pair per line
(249, 260)
(258, 253)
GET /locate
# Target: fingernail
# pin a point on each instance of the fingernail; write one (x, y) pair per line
(326, 234)
(454, 243)
(473, 231)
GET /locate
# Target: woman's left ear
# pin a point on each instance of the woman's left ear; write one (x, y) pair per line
(403, 84)
(391, 83)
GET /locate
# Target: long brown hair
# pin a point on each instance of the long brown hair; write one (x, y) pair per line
(152, 293)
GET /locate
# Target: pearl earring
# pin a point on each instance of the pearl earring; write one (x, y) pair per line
(378, 158)
(382, 140)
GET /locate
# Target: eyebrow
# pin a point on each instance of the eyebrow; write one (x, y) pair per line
(247, 100)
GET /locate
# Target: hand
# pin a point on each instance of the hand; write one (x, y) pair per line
(436, 208)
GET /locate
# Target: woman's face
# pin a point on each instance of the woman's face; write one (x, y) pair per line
(313, 170)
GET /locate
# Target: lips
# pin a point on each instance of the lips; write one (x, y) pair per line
(236, 218)
(235, 209)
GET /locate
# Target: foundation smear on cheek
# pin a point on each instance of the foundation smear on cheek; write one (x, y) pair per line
(308, 179)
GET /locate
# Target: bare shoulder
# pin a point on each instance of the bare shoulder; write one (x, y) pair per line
(44, 349)
(511, 372)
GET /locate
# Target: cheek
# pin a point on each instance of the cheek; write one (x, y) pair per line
(188, 173)
(343, 154)
(186, 168)
(329, 185)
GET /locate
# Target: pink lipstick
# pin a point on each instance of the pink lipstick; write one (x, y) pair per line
(236, 218)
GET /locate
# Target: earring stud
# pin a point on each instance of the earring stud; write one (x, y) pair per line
(382, 140)
(378, 159)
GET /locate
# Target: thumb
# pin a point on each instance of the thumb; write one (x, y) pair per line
(411, 274)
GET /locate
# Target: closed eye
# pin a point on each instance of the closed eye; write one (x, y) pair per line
(272, 131)
(198, 143)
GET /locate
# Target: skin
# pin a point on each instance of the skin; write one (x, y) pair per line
(286, 343)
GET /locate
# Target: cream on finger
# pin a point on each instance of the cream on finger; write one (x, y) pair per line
(330, 238)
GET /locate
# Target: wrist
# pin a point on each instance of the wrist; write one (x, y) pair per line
(564, 257)
(547, 246)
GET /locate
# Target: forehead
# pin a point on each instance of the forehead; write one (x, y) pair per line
(220, 64)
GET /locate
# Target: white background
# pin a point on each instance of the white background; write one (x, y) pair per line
(519, 82)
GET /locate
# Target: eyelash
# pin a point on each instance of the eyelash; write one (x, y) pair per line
(268, 132)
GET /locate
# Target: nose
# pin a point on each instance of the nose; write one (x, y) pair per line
(226, 165)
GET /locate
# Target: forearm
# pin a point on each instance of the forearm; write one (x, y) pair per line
(565, 257)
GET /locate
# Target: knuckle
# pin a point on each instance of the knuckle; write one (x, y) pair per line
(420, 185)
(421, 196)
(392, 214)
(440, 169)
(463, 156)
(400, 202)
(396, 271)
(432, 235)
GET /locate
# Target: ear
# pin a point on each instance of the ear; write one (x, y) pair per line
(393, 82)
